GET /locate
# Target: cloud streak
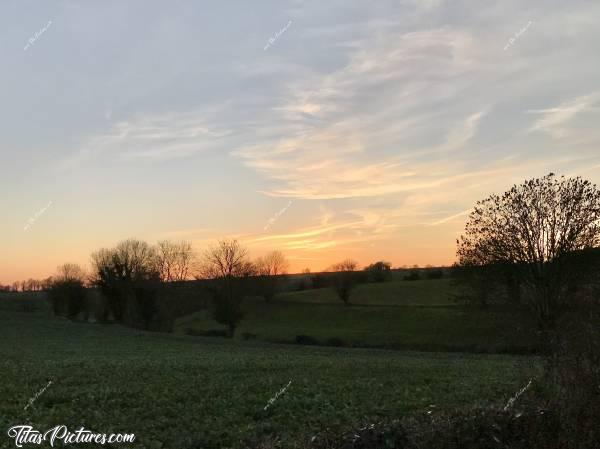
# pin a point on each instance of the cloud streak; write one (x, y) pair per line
(555, 121)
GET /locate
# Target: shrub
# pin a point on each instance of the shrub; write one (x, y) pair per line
(413, 275)
(574, 377)
(306, 340)
(480, 428)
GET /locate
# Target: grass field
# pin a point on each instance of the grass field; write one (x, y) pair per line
(182, 392)
(436, 292)
(416, 315)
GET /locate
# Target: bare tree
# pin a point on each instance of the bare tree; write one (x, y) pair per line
(227, 267)
(345, 278)
(70, 272)
(227, 259)
(175, 260)
(47, 283)
(67, 292)
(128, 276)
(536, 227)
(270, 270)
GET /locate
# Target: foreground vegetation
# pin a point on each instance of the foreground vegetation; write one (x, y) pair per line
(179, 391)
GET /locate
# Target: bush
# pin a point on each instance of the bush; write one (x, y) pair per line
(306, 340)
(473, 429)
(574, 377)
(413, 275)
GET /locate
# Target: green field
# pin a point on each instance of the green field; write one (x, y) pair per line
(395, 293)
(418, 315)
(183, 392)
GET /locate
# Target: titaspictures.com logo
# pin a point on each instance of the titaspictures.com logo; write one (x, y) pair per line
(24, 434)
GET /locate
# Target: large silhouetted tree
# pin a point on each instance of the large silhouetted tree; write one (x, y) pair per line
(227, 268)
(128, 276)
(537, 228)
(67, 291)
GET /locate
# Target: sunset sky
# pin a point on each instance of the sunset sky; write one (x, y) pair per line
(363, 129)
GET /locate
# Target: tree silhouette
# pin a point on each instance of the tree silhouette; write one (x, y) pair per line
(345, 278)
(536, 227)
(269, 271)
(227, 268)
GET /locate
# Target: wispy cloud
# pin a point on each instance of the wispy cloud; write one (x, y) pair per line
(451, 217)
(555, 121)
(344, 150)
(158, 137)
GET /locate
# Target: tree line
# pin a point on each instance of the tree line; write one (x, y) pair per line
(534, 245)
(132, 276)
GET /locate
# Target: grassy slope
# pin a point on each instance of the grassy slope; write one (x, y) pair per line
(415, 315)
(181, 390)
(420, 293)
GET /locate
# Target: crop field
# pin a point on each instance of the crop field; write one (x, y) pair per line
(183, 392)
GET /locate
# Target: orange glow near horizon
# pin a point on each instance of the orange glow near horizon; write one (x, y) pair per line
(315, 248)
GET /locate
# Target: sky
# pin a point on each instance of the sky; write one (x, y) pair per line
(327, 130)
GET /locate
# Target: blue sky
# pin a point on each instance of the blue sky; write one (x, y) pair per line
(381, 122)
